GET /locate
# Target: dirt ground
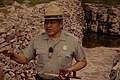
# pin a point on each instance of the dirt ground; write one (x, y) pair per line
(100, 61)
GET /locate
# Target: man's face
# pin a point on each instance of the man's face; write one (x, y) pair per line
(53, 27)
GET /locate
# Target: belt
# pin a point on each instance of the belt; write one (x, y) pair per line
(42, 77)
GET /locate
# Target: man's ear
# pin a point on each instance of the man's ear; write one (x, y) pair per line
(61, 24)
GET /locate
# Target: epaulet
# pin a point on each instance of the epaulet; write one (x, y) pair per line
(70, 34)
(42, 31)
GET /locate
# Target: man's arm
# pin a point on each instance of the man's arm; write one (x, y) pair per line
(64, 72)
(20, 58)
(78, 65)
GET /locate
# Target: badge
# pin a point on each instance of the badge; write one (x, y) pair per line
(64, 48)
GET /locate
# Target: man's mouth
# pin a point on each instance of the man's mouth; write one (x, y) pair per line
(48, 30)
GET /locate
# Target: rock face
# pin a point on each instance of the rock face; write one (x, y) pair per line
(20, 22)
(102, 18)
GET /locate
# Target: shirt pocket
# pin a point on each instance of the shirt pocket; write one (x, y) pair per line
(65, 58)
(42, 56)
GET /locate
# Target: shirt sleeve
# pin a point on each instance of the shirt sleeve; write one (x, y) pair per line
(79, 52)
(29, 51)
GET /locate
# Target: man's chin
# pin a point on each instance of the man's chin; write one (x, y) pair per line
(50, 33)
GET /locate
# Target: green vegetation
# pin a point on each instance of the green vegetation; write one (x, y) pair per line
(33, 2)
(40, 1)
(19, 1)
(108, 2)
(1, 3)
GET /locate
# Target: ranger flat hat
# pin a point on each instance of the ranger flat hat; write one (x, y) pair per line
(53, 12)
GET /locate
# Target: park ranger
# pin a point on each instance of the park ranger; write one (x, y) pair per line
(55, 49)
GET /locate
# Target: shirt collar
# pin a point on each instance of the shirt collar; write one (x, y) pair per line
(62, 36)
(46, 37)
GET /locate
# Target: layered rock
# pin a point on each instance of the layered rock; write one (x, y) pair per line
(102, 18)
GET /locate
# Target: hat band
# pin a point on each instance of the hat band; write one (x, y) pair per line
(54, 17)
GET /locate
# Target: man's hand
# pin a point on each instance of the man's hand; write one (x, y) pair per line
(7, 51)
(20, 58)
(64, 73)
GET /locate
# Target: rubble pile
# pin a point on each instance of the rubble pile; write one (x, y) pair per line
(20, 22)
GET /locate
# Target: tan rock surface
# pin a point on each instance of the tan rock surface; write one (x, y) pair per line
(100, 60)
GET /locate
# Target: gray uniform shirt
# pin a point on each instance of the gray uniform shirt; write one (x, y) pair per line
(64, 50)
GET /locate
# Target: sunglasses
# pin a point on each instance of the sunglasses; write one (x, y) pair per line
(50, 52)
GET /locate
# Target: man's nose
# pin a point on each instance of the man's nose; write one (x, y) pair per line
(49, 24)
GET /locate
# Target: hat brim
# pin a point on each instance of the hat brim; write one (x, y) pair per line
(53, 17)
